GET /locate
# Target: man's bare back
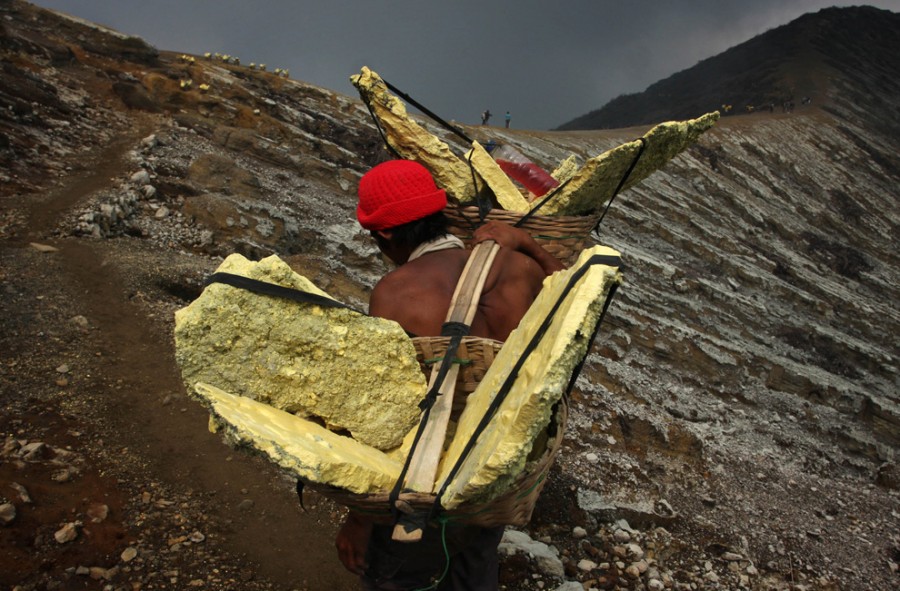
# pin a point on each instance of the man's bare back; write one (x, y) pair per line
(417, 295)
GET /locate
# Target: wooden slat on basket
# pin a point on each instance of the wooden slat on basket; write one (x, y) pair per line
(562, 236)
(425, 457)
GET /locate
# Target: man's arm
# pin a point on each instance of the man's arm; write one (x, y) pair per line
(519, 240)
(352, 542)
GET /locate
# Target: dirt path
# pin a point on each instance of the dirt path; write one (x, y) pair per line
(132, 399)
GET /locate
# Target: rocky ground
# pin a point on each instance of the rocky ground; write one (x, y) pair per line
(736, 425)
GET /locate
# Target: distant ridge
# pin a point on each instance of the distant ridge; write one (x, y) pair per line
(860, 45)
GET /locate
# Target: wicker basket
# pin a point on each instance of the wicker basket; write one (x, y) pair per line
(562, 236)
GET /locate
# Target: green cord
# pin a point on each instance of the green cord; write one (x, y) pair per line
(443, 521)
(456, 360)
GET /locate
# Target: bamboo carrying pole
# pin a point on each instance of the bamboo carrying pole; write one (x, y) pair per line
(427, 454)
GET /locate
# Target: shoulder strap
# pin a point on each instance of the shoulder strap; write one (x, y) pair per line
(421, 465)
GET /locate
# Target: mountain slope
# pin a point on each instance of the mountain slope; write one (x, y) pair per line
(739, 409)
(790, 63)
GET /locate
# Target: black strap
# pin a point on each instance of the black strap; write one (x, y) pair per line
(541, 203)
(443, 368)
(500, 396)
(275, 290)
(390, 148)
(452, 329)
(622, 182)
(578, 368)
(416, 104)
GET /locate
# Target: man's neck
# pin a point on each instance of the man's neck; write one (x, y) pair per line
(445, 242)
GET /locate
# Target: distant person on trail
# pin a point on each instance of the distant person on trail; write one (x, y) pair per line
(401, 207)
(485, 116)
(507, 117)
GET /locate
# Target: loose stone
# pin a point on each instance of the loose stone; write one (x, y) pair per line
(621, 536)
(67, 533)
(98, 512)
(7, 513)
(196, 537)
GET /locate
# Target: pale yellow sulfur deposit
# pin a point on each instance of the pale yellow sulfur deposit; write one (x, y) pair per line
(242, 342)
(566, 169)
(297, 445)
(508, 195)
(351, 371)
(504, 446)
(412, 141)
(593, 185)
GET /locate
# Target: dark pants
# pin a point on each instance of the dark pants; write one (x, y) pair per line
(397, 566)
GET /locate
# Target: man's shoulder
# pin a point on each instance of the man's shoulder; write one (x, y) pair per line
(396, 278)
(391, 277)
(415, 273)
(513, 260)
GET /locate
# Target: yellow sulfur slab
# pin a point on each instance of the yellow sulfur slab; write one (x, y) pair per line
(566, 169)
(297, 445)
(593, 185)
(508, 195)
(351, 371)
(252, 342)
(502, 450)
(412, 141)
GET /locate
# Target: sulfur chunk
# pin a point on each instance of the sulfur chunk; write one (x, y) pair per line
(503, 448)
(347, 370)
(301, 447)
(594, 184)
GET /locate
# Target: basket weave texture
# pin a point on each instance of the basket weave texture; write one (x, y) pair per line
(475, 356)
(562, 236)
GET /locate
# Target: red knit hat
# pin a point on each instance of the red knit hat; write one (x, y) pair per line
(397, 192)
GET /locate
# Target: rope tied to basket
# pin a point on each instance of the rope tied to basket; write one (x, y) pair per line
(456, 331)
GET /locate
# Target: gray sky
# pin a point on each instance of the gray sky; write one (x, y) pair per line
(545, 62)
